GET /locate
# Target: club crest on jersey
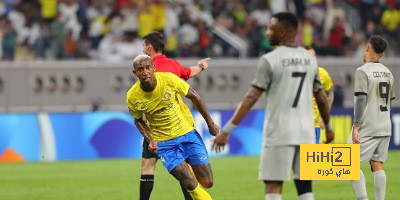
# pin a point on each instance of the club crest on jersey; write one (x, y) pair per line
(167, 95)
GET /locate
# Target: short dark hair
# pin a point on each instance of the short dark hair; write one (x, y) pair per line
(378, 43)
(156, 39)
(288, 19)
(308, 47)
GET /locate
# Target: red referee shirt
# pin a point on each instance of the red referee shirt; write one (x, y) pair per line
(164, 64)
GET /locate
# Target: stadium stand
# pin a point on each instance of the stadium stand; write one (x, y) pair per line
(111, 30)
(80, 86)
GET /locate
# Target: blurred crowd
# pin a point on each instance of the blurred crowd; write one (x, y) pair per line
(112, 29)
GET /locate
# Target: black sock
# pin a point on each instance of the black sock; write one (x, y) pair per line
(303, 186)
(186, 193)
(146, 186)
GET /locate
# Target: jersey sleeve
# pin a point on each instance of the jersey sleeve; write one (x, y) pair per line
(184, 71)
(129, 102)
(393, 93)
(181, 86)
(317, 85)
(135, 113)
(325, 79)
(263, 75)
(360, 83)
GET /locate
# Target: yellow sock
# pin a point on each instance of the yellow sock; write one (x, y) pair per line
(191, 171)
(199, 193)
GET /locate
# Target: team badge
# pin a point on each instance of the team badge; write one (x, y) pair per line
(167, 95)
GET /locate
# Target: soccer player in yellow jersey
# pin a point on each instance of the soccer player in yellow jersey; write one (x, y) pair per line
(170, 131)
(327, 87)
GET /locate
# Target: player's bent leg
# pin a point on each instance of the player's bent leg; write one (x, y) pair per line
(185, 192)
(204, 175)
(379, 179)
(187, 180)
(273, 190)
(184, 176)
(197, 156)
(304, 189)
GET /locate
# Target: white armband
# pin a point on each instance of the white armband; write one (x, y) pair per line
(229, 127)
(328, 127)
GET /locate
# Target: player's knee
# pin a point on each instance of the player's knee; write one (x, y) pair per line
(148, 166)
(207, 183)
(376, 165)
(303, 186)
(273, 186)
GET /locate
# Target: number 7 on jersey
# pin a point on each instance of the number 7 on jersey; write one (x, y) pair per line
(302, 75)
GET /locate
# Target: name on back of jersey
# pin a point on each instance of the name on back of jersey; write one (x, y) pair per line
(295, 61)
(381, 74)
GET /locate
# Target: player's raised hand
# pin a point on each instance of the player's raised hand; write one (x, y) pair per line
(214, 129)
(153, 146)
(355, 138)
(204, 62)
(329, 136)
(220, 141)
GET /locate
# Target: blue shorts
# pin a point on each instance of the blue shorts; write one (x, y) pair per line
(317, 135)
(189, 147)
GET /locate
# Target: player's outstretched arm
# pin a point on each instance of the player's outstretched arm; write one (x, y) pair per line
(201, 66)
(241, 111)
(324, 109)
(144, 130)
(201, 107)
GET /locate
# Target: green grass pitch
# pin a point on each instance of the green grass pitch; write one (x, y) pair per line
(235, 179)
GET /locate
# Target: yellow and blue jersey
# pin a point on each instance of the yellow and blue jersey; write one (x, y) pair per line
(165, 111)
(327, 85)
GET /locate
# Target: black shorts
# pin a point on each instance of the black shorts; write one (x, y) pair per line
(146, 153)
